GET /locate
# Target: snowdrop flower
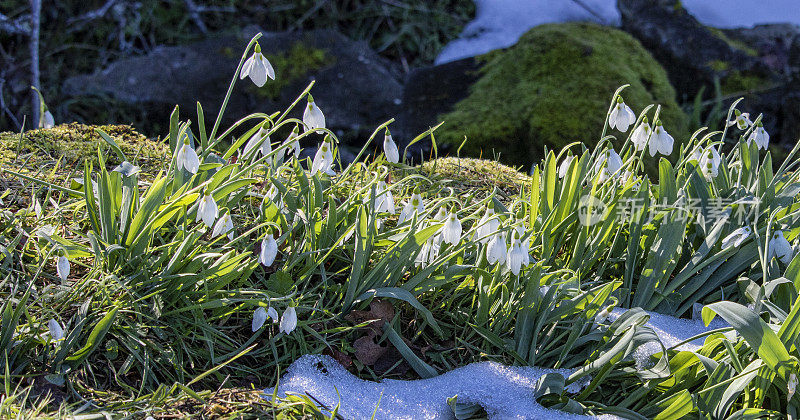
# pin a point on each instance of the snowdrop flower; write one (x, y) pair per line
(608, 165)
(56, 331)
(451, 231)
(496, 249)
(47, 120)
(413, 205)
(621, 116)
(62, 268)
(390, 148)
(524, 245)
(207, 210)
(760, 136)
(313, 117)
(288, 320)
(293, 142)
(258, 68)
(323, 159)
(260, 317)
(487, 225)
(187, 158)
(736, 237)
(641, 135)
(265, 148)
(602, 315)
(742, 121)
(269, 249)
(791, 386)
(661, 141)
(384, 200)
(709, 163)
(224, 225)
(564, 167)
(516, 257)
(780, 247)
(697, 154)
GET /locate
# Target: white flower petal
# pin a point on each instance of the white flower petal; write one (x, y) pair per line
(390, 149)
(62, 268)
(259, 318)
(56, 331)
(269, 250)
(288, 320)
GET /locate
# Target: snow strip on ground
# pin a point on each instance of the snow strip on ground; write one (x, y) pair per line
(500, 23)
(504, 392)
(671, 330)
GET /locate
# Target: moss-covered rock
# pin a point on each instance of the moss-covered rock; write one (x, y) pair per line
(74, 143)
(552, 88)
(479, 176)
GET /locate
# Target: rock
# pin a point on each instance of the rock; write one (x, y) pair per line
(553, 88)
(355, 87)
(693, 54)
(429, 92)
(772, 43)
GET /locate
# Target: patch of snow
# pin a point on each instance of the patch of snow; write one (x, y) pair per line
(504, 392)
(500, 23)
(671, 330)
(743, 13)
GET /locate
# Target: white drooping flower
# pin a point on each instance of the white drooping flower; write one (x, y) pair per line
(780, 247)
(608, 165)
(736, 237)
(661, 141)
(47, 120)
(313, 117)
(294, 143)
(487, 225)
(187, 158)
(56, 330)
(258, 68)
(390, 148)
(260, 317)
(697, 154)
(621, 116)
(223, 225)
(564, 167)
(603, 314)
(641, 135)
(323, 159)
(791, 386)
(709, 163)
(742, 120)
(451, 231)
(288, 320)
(413, 205)
(384, 200)
(264, 148)
(496, 249)
(760, 137)
(207, 210)
(524, 245)
(516, 256)
(62, 268)
(269, 250)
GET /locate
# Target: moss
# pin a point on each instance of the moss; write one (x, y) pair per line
(299, 61)
(552, 88)
(73, 143)
(475, 175)
(733, 43)
(739, 82)
(718, 65)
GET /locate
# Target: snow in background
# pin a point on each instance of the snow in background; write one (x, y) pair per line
(504, 392)
(500, 23)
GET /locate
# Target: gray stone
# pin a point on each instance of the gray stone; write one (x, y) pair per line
(356, 89)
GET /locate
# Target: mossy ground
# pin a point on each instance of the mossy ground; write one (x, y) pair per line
(553, 88)
(477, 175)
(66, 146)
